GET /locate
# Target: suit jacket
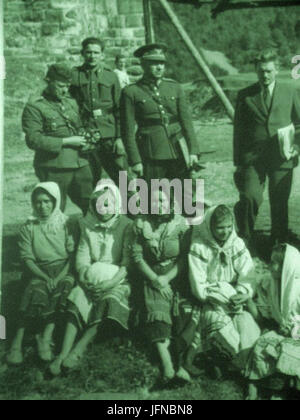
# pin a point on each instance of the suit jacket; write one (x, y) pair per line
(153, 140)
(46, 122)
(99, 90)
(255, 128)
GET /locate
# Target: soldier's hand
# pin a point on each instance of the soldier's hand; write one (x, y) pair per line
(295, 151)
(75, 141)
(193, 160)
(138, 169)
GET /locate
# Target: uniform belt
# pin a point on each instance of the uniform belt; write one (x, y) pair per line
(157, 121)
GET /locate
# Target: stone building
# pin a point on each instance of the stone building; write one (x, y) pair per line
(39, 32)
(53, 29)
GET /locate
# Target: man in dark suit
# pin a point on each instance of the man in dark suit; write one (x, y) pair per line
(158, 107)
(263, 109)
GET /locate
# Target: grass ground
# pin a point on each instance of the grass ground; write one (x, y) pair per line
(97, 378)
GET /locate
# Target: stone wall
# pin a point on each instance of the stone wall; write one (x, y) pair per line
(50, 30)
(40, 32)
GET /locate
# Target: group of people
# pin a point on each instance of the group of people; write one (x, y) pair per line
(193, 290)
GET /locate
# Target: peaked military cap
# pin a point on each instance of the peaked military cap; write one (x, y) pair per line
(152, 52)
(59, 72)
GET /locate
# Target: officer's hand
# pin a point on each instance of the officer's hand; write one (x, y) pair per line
(119, 148)
(138, 169)
(193, 160)
(295, 151)
(75, 141)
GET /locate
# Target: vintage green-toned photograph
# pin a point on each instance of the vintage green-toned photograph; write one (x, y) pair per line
(149, 202)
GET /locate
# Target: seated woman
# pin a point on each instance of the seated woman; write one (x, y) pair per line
(101, 261)
(278, 300)
(46, 247)
(219, 265)
(160, 253)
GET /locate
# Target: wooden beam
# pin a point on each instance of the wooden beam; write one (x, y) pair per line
(2, 77)
(198, 58)
(150, 36)
(225, 5)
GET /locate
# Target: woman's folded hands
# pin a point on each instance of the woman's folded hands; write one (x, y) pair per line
(162, 283)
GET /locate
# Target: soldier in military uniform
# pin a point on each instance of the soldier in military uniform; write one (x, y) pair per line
(159, 107)
(52, 125)
(97, 91)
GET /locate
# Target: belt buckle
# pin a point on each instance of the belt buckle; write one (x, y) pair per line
(97, 113)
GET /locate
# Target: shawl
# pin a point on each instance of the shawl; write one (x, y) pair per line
(205, 232)
(156, 237)
(285, 311)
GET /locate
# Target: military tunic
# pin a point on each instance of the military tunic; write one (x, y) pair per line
(97, 93)
(162, 115)
(46, 122)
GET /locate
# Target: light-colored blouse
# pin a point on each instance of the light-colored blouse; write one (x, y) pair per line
(161, 246)
(108, 245)
(44, 246)
(214, 265)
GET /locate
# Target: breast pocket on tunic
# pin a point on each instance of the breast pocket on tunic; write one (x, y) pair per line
(170, 103)
(146, 107)
(106, 93)
(52, 124)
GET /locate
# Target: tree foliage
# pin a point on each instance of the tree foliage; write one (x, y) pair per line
(238, 34)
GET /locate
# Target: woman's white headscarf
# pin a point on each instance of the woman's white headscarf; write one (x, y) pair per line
(57, 218)
(288, 307)
(105, 189)
(205, 231)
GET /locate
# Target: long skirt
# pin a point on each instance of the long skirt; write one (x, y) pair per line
(39, 302)
(232, 335)
(176, 317)
(113, 305)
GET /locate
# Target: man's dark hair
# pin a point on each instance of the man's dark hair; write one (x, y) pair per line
(266, 56)
(92, 40)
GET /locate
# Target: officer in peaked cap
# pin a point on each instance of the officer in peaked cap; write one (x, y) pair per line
(158, 107)
(152, 52)
(52, 125)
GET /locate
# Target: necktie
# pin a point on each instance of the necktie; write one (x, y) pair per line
(267, 99)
